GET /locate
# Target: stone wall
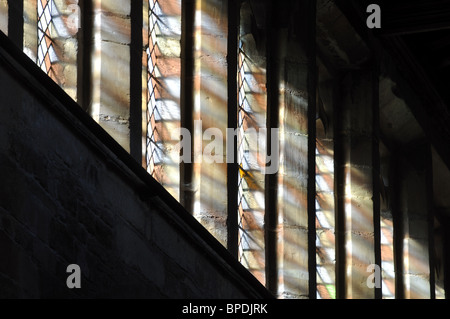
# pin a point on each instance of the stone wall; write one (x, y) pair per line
(71, 195)
(111, 68)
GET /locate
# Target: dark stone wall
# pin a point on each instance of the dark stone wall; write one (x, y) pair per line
(70, 195)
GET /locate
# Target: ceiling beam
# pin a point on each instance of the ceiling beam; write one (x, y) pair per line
(406, 17)
(421, 96)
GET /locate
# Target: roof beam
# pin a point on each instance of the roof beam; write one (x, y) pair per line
(406, 17)
(421, 96)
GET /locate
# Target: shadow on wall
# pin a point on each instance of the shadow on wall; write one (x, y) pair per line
(163, 93)
(55, 48)
(251, 117)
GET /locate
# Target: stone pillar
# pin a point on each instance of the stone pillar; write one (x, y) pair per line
(210, 111)
(138, 84)
(293, 178)
(415, 210)
(16, 21)
(234, 22)
(187, 100)
(276, 36)
(111, 68)
(356, 195)
(295, 100)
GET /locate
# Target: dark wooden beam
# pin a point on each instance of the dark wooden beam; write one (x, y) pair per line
(136, 51)
(421, 96)
(232, 87)
(15, 22)
(187, 99)
(396, 28)
(406, 17)
(274, 69)
(84, 56)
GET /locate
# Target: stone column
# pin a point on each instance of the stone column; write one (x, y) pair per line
(356, 195)
(111, 68)
(415, 209)
(291, 59)
(210, 111)
(15, 20)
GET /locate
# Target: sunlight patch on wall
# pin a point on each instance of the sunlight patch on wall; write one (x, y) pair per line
(163, 92)
(57, 44)
(251, 117)
(325, 237)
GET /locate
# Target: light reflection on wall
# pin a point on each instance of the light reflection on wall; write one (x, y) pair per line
(110, 63)
(292, 183)
(386, 226)
(163, 87)
(387, 258)
(359, 239)
(210, 107)
(325, 225)
(416, 276)
(251, 117)
(57, 44)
